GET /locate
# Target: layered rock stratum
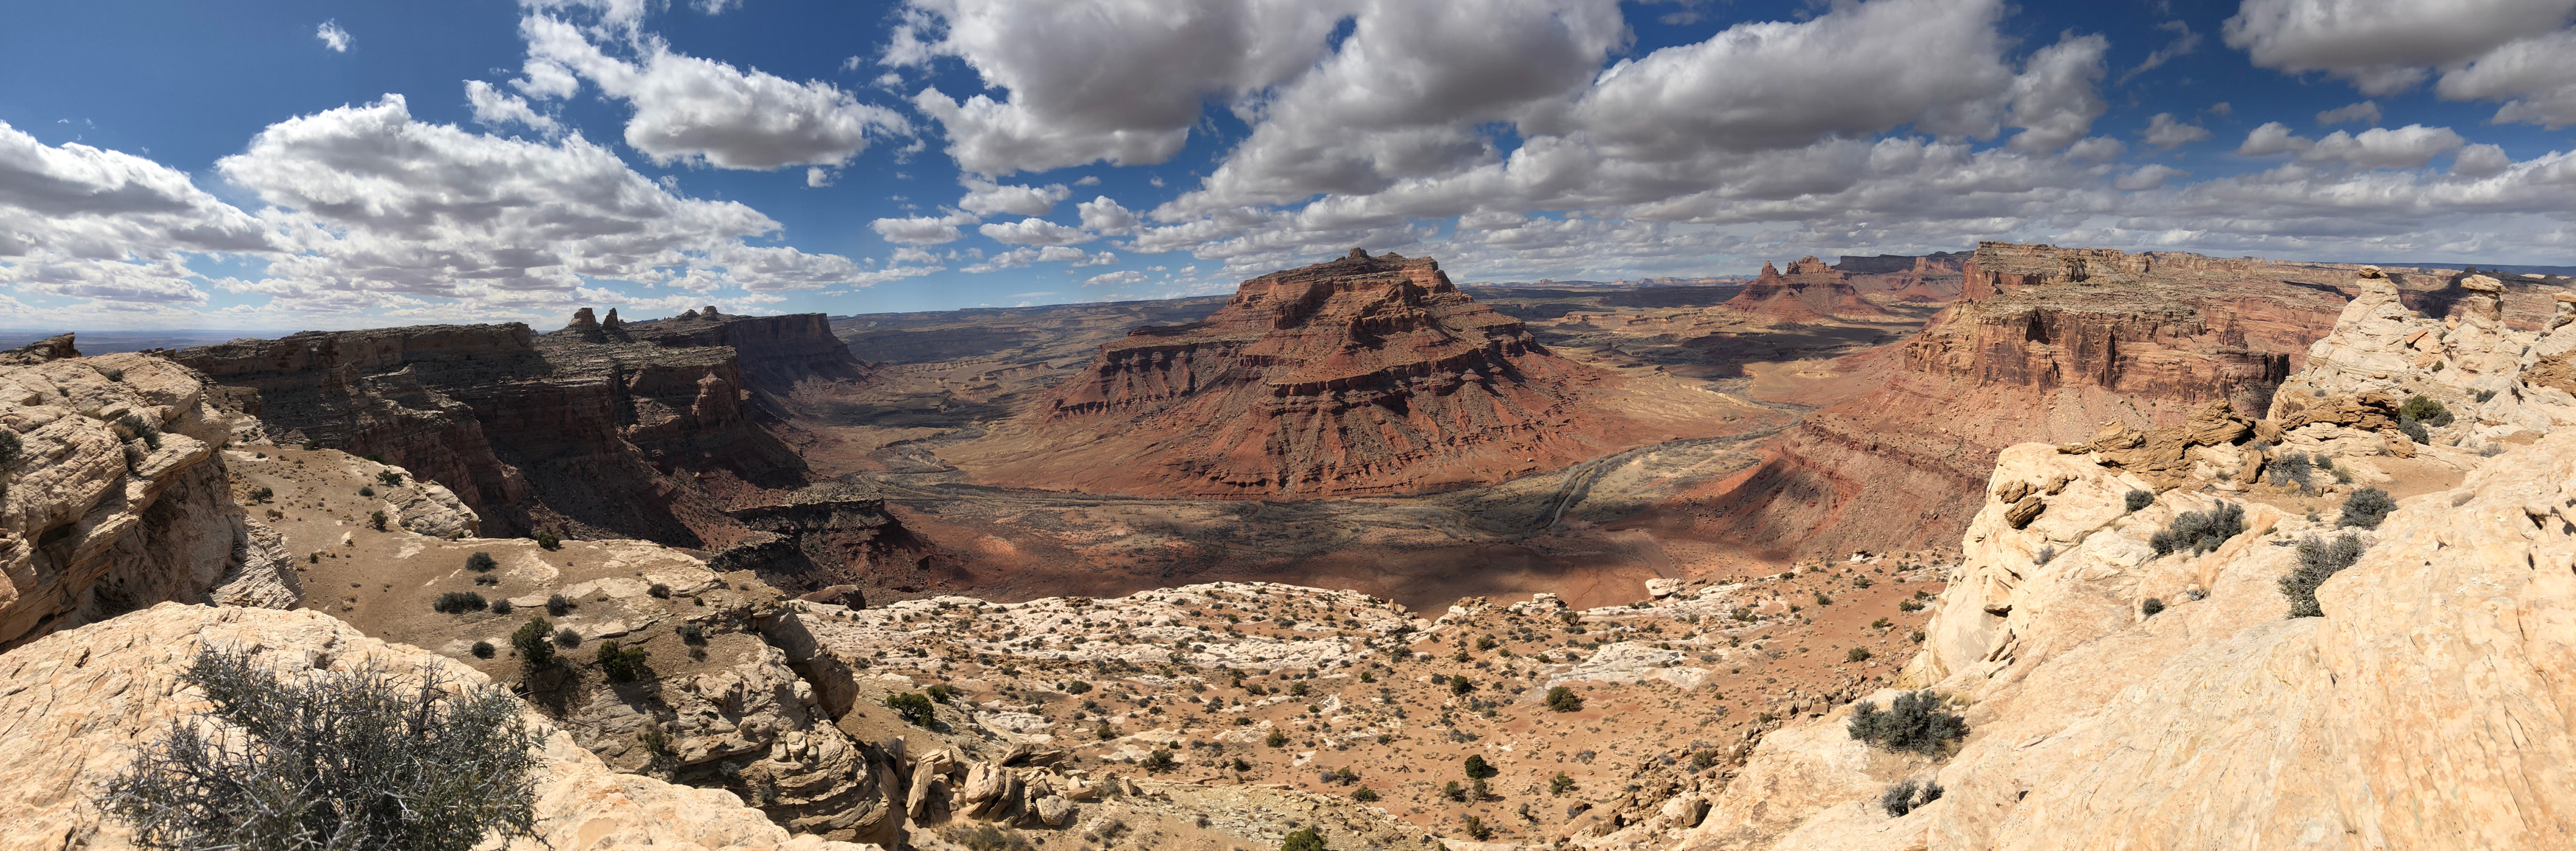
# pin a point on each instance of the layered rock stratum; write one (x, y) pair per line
(2119, 696)
(1363, 375)
(116, 496)
(669, 430)
(1810, 291)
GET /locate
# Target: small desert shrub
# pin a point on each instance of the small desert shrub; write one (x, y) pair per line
(458, 602)
(1297, 689)
(480, 563)
(1076, 687)
(556, 605)
(1302, 839)
(2318, 559)
(1912, 722)
(2484, 396)
(913, 706)
(2292, 469)
(1563, 699)
(2200, 531)
(2414, 430)
(2045, 555)
(262, 493)
(1364, 795)
(1277, 738)
(2138, 499)
(985, 837)
(376, 519)
(1160, 760)
(389, 477)
(692, 634)
(2366, 508)
(1461, 685)
(484, 650)
(1560, 784)
(942, 692)
(567, 637)
(1475, 827)
(1857, 654)
(623, 664)
(2426, 411)
(1904, 797)
(659, 591)
(1454, 792)
(549, 541)
(1823, 600)
(1477, 767)
(312, 445)
(501, 607)
(117, 375)
(327, 760)
(1909, 605)
(364, 490)
(150, 436)
(2151, 607)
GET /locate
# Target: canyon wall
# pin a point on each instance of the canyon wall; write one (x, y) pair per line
(1364, 375)
(1809, 292)
(606, 429)
(2047, 344)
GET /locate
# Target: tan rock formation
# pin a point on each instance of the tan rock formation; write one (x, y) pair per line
(116, 497)
(89, 698)
(2427, 707)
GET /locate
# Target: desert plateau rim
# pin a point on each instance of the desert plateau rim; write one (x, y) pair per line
(1288, 425)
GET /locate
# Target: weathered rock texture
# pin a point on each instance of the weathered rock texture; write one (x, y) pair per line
(652, 430)
(2047, 344)
(89, 699)
(1810, 291)
(1357, 376)
(2428, 707)
(116, 496)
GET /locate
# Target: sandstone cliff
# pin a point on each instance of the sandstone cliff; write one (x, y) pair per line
(2047, 344)
(1364, 375)
(1809, 292)
(650, 430)
(116, 496)
(89, 698)
(2119, 696)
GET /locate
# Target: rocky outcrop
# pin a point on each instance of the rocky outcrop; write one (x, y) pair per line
(1810, 291)
(90, 698)
(1361, 375)
(2123, 694)
(641, 429)
(116, 496)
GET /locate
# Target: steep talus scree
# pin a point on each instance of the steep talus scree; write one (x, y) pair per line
(1357, 376)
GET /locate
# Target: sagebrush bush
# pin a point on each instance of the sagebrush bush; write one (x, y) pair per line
(322, 760)
(913, 706)
(1904, 797)
(2414, 430)
(2366, 508)
(623, 664)
(568, 637)
(2200, 531)
(481, 562)
(2151, 607)
(2137, 499)
(2424, 410)
(1302, 839)
(1913, 722)
(458, 602)
(556, 605)
(2318, 559)
(150, 436)
(10, 446)
(484, 650)
(2292, 468)
(532, 640)
(501, 607)
(1563, 699)
(549, 541)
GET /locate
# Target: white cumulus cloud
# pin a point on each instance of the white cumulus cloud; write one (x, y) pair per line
(690, 109)
(333, 37)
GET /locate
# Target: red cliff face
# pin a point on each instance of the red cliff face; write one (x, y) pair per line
(604, 429)
(2049, 344)
(1357, 376)
(1810, 291)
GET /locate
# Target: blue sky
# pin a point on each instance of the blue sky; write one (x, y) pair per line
(331, 165)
